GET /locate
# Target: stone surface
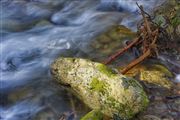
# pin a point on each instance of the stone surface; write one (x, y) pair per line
(112, 39)
(101, 88)
(155, 74)
(93, 115)
(156, 77)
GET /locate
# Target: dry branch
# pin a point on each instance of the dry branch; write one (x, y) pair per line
(148, 43)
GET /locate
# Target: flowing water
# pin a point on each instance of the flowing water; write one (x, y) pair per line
(34, 33)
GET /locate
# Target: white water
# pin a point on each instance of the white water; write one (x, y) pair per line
(35, 32)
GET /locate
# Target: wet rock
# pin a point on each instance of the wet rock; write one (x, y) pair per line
(154, 74)
(101, 88)
(155, 77)
(111, 40)
(93, 115)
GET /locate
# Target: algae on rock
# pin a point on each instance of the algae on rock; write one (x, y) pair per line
(154, 74)
(101, 88)
(93, 115)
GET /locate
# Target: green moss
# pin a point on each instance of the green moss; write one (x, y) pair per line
(156, 78)
(162, 69)
(97, 85)
(123, 111)
(93, 115)
(112, 102)
(145, 100)
(175, 21)
(130, 82)
(106, 70)
(134, 83)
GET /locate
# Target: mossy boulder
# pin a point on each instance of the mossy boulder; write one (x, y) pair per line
(93, 115)
(100, 87)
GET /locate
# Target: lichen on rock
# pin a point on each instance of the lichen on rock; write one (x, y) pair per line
(101, 88)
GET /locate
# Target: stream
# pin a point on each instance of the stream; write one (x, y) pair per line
(34, 33)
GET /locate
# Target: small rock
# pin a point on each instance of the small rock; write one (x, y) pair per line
(156, 77)
(113, 39)
(155, 74)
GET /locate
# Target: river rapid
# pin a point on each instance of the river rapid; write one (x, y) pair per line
(34, 33)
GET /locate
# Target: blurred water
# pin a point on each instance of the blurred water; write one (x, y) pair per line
(35, 32)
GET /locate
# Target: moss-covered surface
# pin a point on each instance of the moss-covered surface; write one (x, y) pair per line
(156, 74)
(156, 77)
(127, 81)
(120, 107)
(93, 115)
(162, 69)
(101, 88)
(106, 70)
(97, 85)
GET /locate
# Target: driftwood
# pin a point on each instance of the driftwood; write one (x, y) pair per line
(147, 38)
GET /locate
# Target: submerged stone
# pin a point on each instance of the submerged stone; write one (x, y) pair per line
(155, 74)
(112, 39)
(156, 77)
(101, 88)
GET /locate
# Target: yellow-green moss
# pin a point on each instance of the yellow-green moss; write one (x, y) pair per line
(122, 109)
(98, 89)
(175, 21)
(162, 69)
(93, 115)
(156, 78)
(130, 82)
(97, 85)
(106, 70)
(145, 100)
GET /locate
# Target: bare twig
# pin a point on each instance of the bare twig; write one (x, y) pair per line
(121, 51)
(145, 19)
(147, 38)
(136, 61)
